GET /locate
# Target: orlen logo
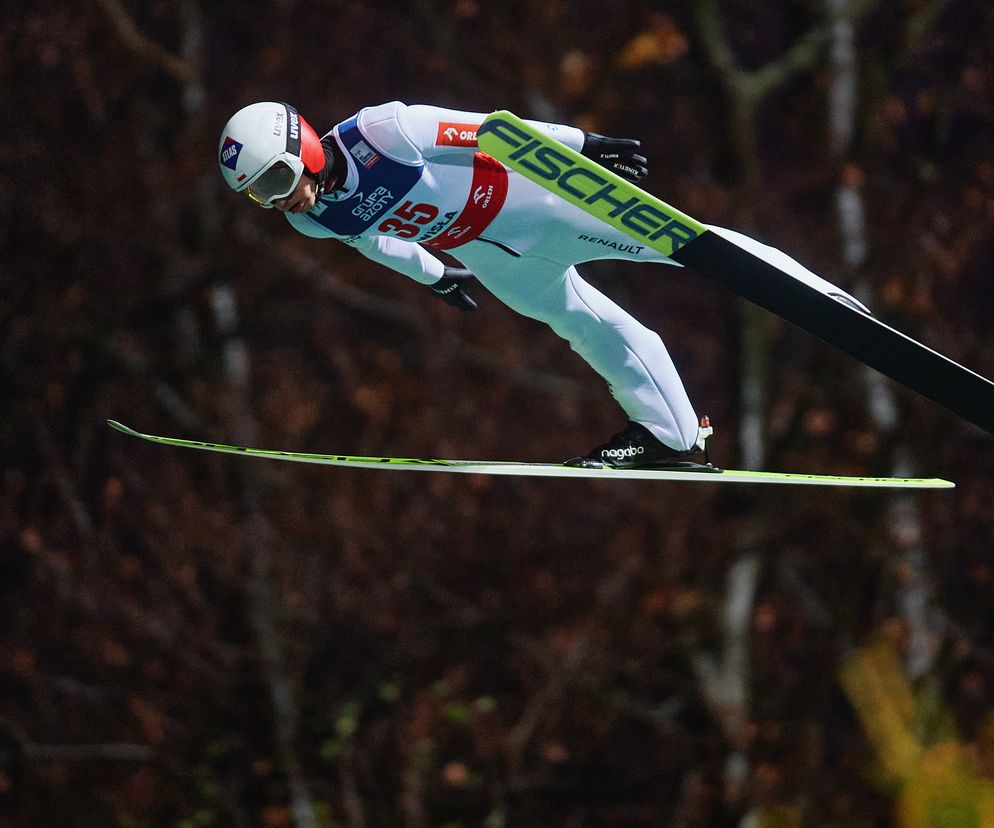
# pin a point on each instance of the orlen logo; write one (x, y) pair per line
(229, 153)
(456, 135)
(479, 194)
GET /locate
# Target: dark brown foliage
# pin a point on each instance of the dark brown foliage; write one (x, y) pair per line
(196, 640)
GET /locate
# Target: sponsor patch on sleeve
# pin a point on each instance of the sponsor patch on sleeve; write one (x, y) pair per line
(456, 135)
(365, 154)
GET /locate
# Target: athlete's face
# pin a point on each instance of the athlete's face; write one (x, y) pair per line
(301, 199)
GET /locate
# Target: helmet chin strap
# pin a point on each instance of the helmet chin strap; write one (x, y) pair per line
(332, 174)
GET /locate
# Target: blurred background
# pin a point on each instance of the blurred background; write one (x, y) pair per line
(195, 640)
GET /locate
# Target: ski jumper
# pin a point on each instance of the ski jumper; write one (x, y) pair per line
(416, 180)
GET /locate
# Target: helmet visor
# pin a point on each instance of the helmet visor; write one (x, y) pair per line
(278, 181)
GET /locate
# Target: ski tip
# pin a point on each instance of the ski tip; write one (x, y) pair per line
(122, 428)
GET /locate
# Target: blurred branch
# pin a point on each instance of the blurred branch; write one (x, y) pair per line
(167, 396)
(748, 88)
(561, 676)
(964, 639)
(13, 737)
(64, 483)
(418, 748)
(114, 752)
(562, 672)
(143, 46)
(753, 85)
(351, 797)
(793, 581)
(662, 715)
(921, 22)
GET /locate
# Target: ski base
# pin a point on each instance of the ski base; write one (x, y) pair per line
(701, 474)
(652, 222)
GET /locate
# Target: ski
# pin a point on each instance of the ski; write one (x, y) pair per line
(701, 474)
(644, 217)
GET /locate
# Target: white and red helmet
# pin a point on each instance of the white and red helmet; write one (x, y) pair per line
(265, 148)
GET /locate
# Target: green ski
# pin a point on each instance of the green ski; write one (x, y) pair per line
(703, 474)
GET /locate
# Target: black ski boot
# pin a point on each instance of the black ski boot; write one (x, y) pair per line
(636, 448)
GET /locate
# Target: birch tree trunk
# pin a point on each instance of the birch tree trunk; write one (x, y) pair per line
(725, 678)
(904, 515)
(187, 69)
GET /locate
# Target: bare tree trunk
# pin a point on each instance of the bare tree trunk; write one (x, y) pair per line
(746, 91)
(905, 518)
(263, 600)
(186, 68)
(725, 681)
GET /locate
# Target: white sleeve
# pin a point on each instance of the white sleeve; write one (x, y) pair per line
(405, 257)
(432, 131)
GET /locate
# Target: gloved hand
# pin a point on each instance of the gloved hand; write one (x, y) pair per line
(619, 155)
(449, 287)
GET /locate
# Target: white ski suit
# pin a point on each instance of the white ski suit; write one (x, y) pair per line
(416, 177)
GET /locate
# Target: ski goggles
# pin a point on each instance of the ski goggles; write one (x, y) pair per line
(276, 181)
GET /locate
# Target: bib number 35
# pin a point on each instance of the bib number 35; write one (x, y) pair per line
(408, 220)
